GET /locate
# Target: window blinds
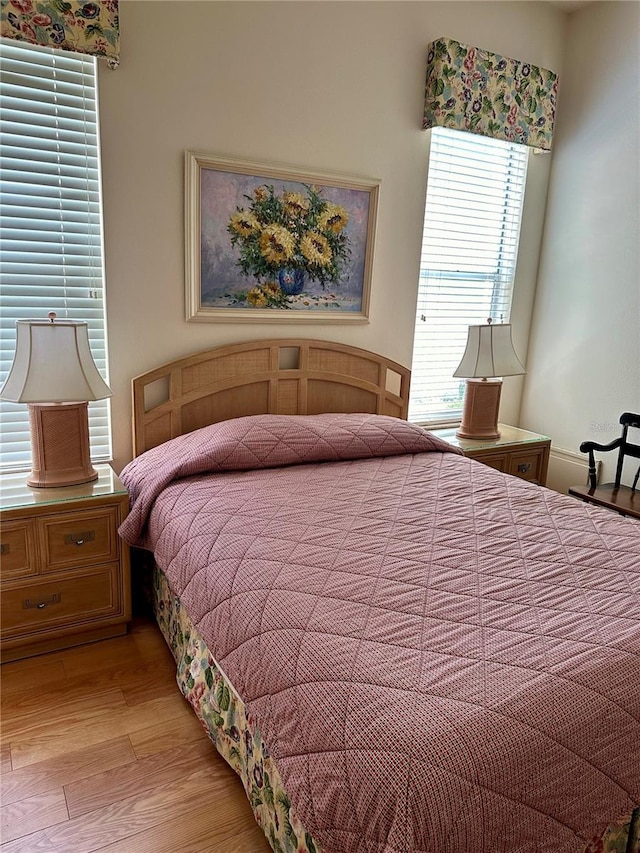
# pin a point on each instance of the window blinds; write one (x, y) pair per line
(475, 192)
(50, 217)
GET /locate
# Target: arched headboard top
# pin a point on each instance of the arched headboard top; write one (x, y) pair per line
(285, 376)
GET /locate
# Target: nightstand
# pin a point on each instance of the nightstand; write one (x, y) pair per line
(519, 452)
(64, 571)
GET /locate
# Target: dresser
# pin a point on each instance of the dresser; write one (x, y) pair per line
(64, 571)
(519, 452)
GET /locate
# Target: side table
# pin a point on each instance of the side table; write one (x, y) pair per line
(519, 452)
(65, 572)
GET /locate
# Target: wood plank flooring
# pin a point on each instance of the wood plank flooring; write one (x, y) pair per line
(100, 752)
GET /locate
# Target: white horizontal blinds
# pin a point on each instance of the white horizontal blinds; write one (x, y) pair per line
(50, 217)
(475, 191)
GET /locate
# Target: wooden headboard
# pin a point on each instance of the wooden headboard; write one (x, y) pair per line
(286, 376)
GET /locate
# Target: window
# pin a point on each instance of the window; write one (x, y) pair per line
(50, 217)
(472, 219)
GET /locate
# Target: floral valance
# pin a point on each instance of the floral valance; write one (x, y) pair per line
(67, 24)
(481, 92)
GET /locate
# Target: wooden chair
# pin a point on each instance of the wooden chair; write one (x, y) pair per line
(616, 496)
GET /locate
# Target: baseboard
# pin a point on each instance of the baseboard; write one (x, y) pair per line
(568, 468)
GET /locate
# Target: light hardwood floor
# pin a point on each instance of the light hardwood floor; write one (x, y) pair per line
(100, 752)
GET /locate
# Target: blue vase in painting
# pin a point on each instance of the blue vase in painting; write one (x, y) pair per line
(291, 281)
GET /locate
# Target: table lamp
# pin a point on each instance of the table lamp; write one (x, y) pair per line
(489, 354)
(54, 372)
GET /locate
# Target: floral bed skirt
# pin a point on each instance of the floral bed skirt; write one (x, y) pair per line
(237, 738)
(225, 719)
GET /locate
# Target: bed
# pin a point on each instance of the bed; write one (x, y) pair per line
(398, 649)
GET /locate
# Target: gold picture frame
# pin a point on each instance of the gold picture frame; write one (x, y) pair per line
(275, 244)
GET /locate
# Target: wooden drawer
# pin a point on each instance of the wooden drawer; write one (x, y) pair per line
(527, 465)
(499, 461)
(78, 539)
(18, 552)
(63, 601)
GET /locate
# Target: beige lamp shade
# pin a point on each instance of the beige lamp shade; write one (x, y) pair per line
(53, 364)
(54, 373)
(489, 352)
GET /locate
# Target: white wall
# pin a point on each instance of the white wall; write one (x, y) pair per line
(331, 86)
(584, 354)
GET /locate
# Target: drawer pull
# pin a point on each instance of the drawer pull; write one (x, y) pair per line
(524, 467)
(80, 538)
(40, 605)
(5, 548)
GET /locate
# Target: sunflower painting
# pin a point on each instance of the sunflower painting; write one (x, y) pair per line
(267, 243)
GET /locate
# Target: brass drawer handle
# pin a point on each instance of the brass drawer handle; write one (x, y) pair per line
(80, 538)
(524, 467)
(56, 598)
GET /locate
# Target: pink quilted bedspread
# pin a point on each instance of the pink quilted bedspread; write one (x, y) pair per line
(440, 657)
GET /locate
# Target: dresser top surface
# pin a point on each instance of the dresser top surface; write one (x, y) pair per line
(509, 436)
(15, 494)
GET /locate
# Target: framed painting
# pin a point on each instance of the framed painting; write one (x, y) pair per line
(269, 243)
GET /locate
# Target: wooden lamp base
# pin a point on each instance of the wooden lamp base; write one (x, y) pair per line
(480, 412)
(60, 445)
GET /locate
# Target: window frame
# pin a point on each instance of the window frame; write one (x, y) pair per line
(51, 240)
(444, 285)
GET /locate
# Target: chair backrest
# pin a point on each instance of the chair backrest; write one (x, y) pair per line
(625, 449)
(628, 419)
